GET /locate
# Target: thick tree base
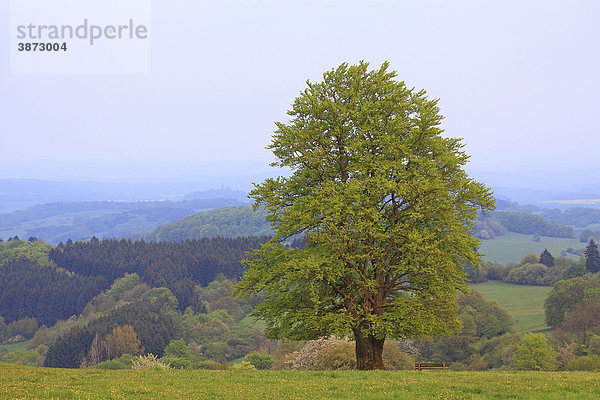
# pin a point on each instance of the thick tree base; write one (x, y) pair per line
(369, 352)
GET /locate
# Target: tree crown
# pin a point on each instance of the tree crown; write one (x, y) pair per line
(383, 204)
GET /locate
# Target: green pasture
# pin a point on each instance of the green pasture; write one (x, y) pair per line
(512, 247)
(523, 302)
(17, 382)
(14, 346)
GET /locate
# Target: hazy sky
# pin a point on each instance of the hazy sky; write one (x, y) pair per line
(518, 80)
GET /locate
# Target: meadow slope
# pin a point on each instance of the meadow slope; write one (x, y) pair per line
(512, 247)
(524, 303)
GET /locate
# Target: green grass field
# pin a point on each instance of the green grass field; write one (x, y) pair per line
(17, 382)
(524, 303)
(512, 247)
(14, 346)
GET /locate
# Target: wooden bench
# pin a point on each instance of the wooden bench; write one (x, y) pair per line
(431, 365)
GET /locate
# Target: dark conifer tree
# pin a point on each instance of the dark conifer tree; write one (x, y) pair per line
(592, 257)
(546, 258)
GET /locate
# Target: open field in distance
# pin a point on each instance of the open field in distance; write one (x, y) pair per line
(523, 302)
(512, 247)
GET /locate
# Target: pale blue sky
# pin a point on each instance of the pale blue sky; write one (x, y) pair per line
(518, 80)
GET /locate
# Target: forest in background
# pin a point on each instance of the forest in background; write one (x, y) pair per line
(111, 301)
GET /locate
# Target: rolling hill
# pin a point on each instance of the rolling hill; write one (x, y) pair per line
(58, 222)
(226, 222)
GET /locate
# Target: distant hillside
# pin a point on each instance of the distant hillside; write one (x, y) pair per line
(242, 221)
(226, 222)
(498, 223)
(58, 222)
(532, 224)
(579, 217)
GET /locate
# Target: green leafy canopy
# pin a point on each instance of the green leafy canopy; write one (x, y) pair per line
(384, 207)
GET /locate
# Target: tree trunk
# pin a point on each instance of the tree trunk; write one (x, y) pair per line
(369, 352)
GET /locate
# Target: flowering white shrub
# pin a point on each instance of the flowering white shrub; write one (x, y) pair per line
(148, 361)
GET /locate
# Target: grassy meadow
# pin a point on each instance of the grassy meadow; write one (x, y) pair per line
(17, 382)
(512, 247)
(523, 302)
(14, 346)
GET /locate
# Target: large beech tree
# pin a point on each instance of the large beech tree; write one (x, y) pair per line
(385, 210)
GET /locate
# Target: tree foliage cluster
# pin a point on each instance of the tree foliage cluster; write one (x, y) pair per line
(120, 341)
(488, 227)
(44, 293)
(565, 295)
(588, 235)
(18, 330)
(217, 328)
(530, 224)
(485, 340)
(30, 356)
(179, 266)
(131, 318)
(35, 250)
(574, 216)
(573, 312)
(592, 257)
(153, 322)
(544, 270)
(259, 360)
(224, 222)
(535, 354)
